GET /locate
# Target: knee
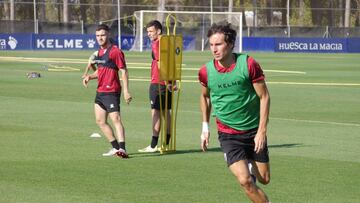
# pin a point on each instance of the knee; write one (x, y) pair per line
(245, 182)
(265, 179)
(100, 123)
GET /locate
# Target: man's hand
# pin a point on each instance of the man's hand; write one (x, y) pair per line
(172, 87)
(127, 97)
(204, 140)
(205, 135)
(260, 141)
(86, 81)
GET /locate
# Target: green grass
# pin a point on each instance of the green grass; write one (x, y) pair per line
(46, 154)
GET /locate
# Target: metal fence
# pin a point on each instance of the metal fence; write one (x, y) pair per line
(29, 26)
(47, 16)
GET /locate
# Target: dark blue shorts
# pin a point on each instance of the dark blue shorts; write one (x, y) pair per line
(155, 96)
(241, 147)
(109, 101)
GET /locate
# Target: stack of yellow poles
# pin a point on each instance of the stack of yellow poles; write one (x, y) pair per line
(170, 71)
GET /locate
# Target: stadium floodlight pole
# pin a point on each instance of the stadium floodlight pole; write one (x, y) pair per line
(141, 30)
(240, 33)
(119, 25)
(35, 28)
(211, 15)
(203, 33)
(12, 11)
(288, 17)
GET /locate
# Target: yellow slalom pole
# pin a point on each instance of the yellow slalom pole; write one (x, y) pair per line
(170, 71)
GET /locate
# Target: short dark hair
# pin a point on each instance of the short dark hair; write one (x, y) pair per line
(225, 28)
(103, 27)
(156, 24)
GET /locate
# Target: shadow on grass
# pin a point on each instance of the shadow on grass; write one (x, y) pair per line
(210, 150)
(177, 152)
(291, 145)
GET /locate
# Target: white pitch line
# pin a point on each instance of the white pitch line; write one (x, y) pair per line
(295, 120)
(315, 83)
(44, 60)
(66, 60)
(285, 71)
(197, 69)
(281, 83)
(321, 122)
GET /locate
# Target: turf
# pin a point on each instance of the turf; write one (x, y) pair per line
(46, 154)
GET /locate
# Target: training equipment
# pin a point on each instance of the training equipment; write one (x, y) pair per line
(95, 135)
(193, 25)
(148, 149)
(170, 63)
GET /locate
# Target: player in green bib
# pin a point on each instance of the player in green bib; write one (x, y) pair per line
(233, 85)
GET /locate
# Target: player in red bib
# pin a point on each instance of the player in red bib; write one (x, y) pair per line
(233, 85)
(110, 60)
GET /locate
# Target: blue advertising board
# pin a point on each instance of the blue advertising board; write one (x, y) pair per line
(83, 42)
(258, 44)
(15, 41)
(61, 42)
(325, 45)
(353, 45)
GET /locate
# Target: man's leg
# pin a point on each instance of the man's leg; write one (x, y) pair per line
(120, 133)
(261, 171)
(168, 126)
(101, 121)
(241, 171)
(119, 128)
(156, 125)
(118, 125)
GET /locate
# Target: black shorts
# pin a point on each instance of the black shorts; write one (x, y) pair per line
(155, 99)
(109, 101)
(241, 147)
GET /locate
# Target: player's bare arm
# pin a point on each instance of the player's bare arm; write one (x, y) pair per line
(263, 93)
(125, 80)
(205, 107)
(87, 78)
(87, 69)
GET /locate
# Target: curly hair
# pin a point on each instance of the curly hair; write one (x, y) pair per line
(225, 28)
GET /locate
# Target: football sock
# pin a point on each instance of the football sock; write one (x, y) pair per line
(154, 141)
(114, 144)
(122, 145)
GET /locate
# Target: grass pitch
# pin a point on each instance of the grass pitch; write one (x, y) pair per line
(46, 154)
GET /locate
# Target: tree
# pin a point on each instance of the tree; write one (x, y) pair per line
(6, 11)
(161, 7)
(283, 12)
(230, 9)
(65, 11)
(269, 11)
(254, 4)
(242, 9)
(331, 13)
(316, 13)
(347, 13)
(357, 15)
(301, 9)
